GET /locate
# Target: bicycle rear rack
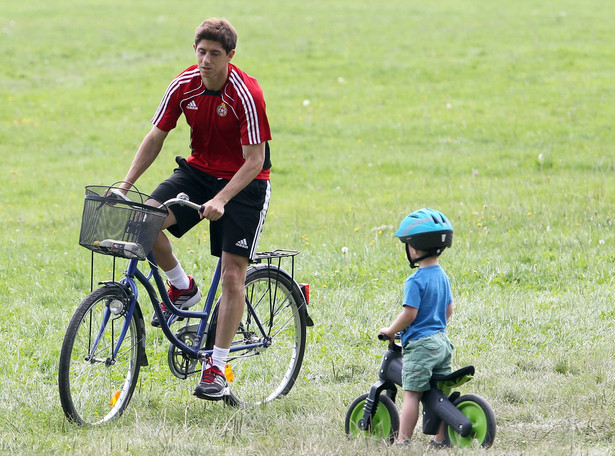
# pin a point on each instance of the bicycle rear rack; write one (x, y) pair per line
(277, 253)
(269, 256)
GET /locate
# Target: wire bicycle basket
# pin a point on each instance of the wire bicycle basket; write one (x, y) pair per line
(119, 223)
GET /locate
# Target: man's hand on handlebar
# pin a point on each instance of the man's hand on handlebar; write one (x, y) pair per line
(212, 210)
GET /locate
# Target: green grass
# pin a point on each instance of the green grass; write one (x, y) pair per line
(497, 113)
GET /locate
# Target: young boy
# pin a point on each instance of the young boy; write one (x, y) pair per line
(427, 306)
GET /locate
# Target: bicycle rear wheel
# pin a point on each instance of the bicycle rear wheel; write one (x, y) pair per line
(480, 413)
(277, 324)
(94, 385)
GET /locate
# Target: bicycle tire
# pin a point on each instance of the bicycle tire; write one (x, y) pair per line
(265, 373)
(95, 389)
(480, 413)
(384, 423)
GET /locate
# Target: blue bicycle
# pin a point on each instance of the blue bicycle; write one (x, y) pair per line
(104, 345)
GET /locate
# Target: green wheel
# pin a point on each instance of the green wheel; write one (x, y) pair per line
(384, 424)
(480, 413)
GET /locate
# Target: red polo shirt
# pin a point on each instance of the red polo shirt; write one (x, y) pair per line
(220, 121)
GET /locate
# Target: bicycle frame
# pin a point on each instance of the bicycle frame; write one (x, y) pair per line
(129, 284)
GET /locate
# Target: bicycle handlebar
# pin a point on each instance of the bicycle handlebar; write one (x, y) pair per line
(384, 337)
(183, 200)
(393, 345)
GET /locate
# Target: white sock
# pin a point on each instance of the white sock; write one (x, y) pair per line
(178, 277)
(220, 357)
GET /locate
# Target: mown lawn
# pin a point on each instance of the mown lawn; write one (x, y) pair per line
(500, 115)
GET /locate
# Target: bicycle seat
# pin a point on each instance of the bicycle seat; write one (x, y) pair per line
(446, 383)
(468, 370)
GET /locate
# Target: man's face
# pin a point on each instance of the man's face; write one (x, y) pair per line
(212, 59)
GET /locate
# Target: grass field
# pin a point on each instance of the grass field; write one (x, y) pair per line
(500, 114)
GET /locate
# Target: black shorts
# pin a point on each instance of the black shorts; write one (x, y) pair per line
(238, 230)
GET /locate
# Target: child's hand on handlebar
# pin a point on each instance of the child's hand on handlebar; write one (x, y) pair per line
(386, 334)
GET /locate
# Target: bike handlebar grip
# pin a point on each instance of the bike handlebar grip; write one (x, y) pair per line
(116, 192)
(383, 337)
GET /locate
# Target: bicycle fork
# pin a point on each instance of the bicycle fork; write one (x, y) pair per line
(116, 307)
(390, 375)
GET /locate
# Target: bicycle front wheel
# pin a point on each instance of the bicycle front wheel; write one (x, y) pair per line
(383, 424)
(274, 326)
(96, 385)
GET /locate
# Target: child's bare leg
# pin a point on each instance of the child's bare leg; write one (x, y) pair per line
(440, 435)
(409, 415)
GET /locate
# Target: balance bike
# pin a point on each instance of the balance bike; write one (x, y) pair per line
(469, 418)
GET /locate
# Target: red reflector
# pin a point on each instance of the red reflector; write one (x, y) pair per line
(305, 289)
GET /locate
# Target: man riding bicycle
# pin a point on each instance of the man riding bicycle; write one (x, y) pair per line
(227, 171)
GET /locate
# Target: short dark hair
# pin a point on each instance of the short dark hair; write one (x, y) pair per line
(218, 30)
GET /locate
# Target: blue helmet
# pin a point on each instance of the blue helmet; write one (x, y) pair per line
(427, 230)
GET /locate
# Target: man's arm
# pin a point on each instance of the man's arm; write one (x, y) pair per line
(255, 157)
(146, 154)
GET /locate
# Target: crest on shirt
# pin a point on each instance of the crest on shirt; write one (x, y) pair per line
(222, 110)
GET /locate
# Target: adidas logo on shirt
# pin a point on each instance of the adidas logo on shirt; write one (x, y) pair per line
(243, 244)
(192, 105)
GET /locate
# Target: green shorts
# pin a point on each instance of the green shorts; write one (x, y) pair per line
(424, 357)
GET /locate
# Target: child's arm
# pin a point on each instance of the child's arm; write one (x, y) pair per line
(449, 312)
(403, 320)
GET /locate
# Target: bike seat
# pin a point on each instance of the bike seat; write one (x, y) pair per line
(468, 370)
(446, 383)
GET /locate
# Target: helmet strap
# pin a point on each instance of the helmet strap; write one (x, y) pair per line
(415, 263)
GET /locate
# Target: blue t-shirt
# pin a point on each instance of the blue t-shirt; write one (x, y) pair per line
(428, 290)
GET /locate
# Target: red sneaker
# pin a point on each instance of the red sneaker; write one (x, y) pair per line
(213, 383)
(182, 299)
